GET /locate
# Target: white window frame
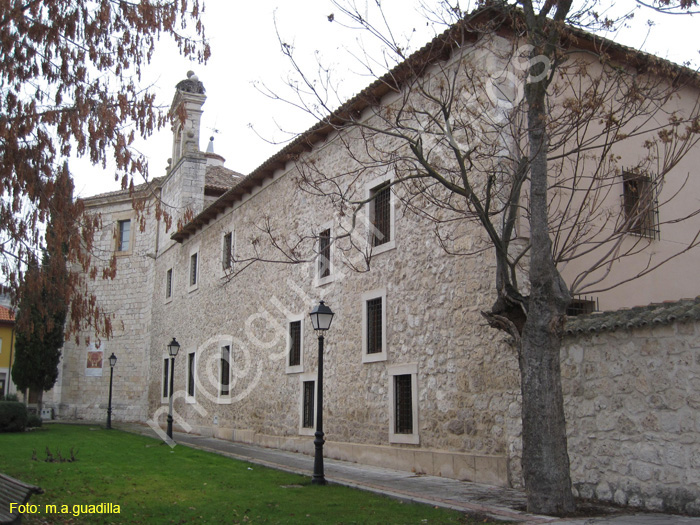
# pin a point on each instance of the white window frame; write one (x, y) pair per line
(320, 281)
(399, 370)
(391, 244)
(223, 272)
(379, 356)
(190, 398)
(193, 251)
(165, 399)
(308, 376)
(170, 271)
(297, 369)
(225, 399)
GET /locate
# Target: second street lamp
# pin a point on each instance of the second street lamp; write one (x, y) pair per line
(321, 318)
(112, 362)
(173, 349)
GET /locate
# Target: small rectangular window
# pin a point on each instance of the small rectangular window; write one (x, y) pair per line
(166, 377)
(169, 283)
(190, 374)
(124, 234)
(193, 269)
(380, 214)
(295, 343)
(308, 402)
(403, 404)
(324, 254)
(227, 251)
(225, 370)
(582, 306)
(374, 325)
(640, 204)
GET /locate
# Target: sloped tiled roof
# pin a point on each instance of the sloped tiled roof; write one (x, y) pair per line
(153, 183)
(654, 314)
(6, 315)
(220, 178)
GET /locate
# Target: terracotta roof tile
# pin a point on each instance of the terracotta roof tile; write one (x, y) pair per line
(654, 314)
(220, 177)
(6, 314)
(153, 183)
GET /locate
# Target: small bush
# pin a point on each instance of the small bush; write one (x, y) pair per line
(11, 397)
(13, 416)
(33, 421)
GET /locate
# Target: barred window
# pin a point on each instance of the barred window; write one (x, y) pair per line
(324, 253)
(308, 408)
(166, 376)
(225, 370)
(190, 375)
(169, 283)
(380, 214)
(403, 404)
(227, 252)
(295, 343)
(193, 269)
(374, 325)
(582, 306)
(124, 235)
(640, 204)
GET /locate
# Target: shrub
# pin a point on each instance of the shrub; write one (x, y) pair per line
(13, 416)
(11, 397)
(33, 420)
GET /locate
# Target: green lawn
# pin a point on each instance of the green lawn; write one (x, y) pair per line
(153, 484)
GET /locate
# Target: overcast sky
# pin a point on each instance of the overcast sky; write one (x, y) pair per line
(245, 50)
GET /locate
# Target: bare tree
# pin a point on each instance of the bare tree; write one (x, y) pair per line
(513, 120)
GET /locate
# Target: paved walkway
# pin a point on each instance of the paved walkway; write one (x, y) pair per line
(496, 502)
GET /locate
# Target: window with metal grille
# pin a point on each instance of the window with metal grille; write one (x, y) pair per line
(582, 306)
(307, 419)
(190, 375)
(640, 204)
(295, 343)
(225, 370)
(124, 235)
(227, 252)
(169, 283)
(403, 404)
(324, 254)
(380, 214)
(166, 376)
(193, 269)
(374, 325)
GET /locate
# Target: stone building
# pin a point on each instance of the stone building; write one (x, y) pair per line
(414, 378)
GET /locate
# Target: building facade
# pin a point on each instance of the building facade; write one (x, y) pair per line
(414, 377)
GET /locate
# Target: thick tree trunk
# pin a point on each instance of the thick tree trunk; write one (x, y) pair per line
(545, 454)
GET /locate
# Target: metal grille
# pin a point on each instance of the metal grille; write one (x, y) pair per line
(374, 325)
(295, 343)
(193, 269)
(190, 375)
(169, 284)
(324, 253)
(227, 255)
(403, 403)
(124, 235)
(225, 370)
(166, 373)
(640, 205)
(582, 306)
(308, 408)
(381, 215)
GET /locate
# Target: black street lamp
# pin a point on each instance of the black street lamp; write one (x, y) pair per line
(173, 349)
(112, 362)
(321, 318)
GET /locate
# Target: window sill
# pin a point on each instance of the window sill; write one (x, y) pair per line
(374, 358)
(307, 431)
(326, 280)
(405, 439)
(386, 247)
(296, 369)
(224, 400)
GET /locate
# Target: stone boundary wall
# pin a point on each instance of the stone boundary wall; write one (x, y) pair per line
(632, 401)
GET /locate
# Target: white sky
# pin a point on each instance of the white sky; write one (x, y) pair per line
(245, 50)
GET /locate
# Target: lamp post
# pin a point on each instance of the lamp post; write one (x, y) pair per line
(112, 362)
(321, 318)
(173, 349)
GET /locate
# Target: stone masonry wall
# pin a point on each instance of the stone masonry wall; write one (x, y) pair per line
(633, 412)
